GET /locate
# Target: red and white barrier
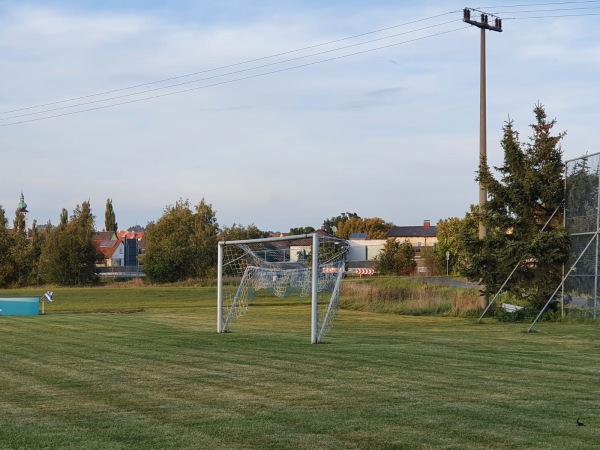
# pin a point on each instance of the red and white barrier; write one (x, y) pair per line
(364, 271)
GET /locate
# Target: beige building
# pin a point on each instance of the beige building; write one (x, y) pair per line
(363, 251)
(418, 236)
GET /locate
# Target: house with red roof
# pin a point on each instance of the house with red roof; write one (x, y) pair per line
(119, 249)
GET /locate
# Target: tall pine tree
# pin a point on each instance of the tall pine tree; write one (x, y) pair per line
(527, 196)
(110, 221)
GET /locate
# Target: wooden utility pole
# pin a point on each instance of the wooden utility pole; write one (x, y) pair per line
(483, 24)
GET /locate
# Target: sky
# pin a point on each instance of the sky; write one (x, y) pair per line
(272, 111)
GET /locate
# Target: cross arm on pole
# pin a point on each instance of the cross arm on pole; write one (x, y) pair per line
(485, 22)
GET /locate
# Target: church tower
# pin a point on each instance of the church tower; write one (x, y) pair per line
(22, 209)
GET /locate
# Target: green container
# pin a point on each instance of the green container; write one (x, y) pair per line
(19, 306)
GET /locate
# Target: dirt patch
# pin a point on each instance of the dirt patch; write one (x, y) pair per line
(109, 311)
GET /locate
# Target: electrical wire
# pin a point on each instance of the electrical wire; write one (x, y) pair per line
(171, 86)
(538, 4)
(546, 10)
(234, 80)
(219, 76)
(550, 16)
(230, 65)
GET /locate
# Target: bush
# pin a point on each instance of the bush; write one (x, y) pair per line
(398, 295)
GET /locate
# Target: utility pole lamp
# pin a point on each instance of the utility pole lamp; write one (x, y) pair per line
(483, 24)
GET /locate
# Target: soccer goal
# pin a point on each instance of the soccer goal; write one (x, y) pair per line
(305, 265)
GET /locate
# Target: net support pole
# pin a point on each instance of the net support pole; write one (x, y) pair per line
(220, 288)
(314, 327)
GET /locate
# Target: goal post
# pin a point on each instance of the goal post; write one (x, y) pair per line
(301, 265)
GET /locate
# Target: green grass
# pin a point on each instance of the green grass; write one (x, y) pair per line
(86, 376)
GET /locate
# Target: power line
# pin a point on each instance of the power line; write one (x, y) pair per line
(550, 16)
(218, 76)
(547, 10)
(531, 11)
(234, 80)
(229, 65)
(171, 86)
(538, 4)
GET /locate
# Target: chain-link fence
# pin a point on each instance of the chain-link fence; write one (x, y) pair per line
(582, 221)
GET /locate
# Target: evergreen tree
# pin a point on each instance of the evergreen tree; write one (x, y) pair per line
(110, 221)
(64, 217)
(528, 193)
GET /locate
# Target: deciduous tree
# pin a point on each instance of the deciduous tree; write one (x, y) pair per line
(332, 224)
(375, 227)
(68, 255)
(301, 230)
(453, 233)
(239, 232)
(182, 244)
(396, 258)
(16, 255)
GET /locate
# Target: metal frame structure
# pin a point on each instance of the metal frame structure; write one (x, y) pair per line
(317, 272)
(582, 222)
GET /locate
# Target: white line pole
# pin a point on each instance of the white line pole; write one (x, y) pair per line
(314, 329)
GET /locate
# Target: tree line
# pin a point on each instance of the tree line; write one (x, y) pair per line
(522, 215)
(180, 245)
(63, 255)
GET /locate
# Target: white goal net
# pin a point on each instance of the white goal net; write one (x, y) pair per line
(303, 266)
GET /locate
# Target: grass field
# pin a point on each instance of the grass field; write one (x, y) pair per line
(111, 368)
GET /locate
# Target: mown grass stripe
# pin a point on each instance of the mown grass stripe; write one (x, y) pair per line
(163, 378)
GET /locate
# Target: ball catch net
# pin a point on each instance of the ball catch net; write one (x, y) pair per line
(301, 266)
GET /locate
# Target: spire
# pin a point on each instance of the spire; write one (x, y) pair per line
(22, 205)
